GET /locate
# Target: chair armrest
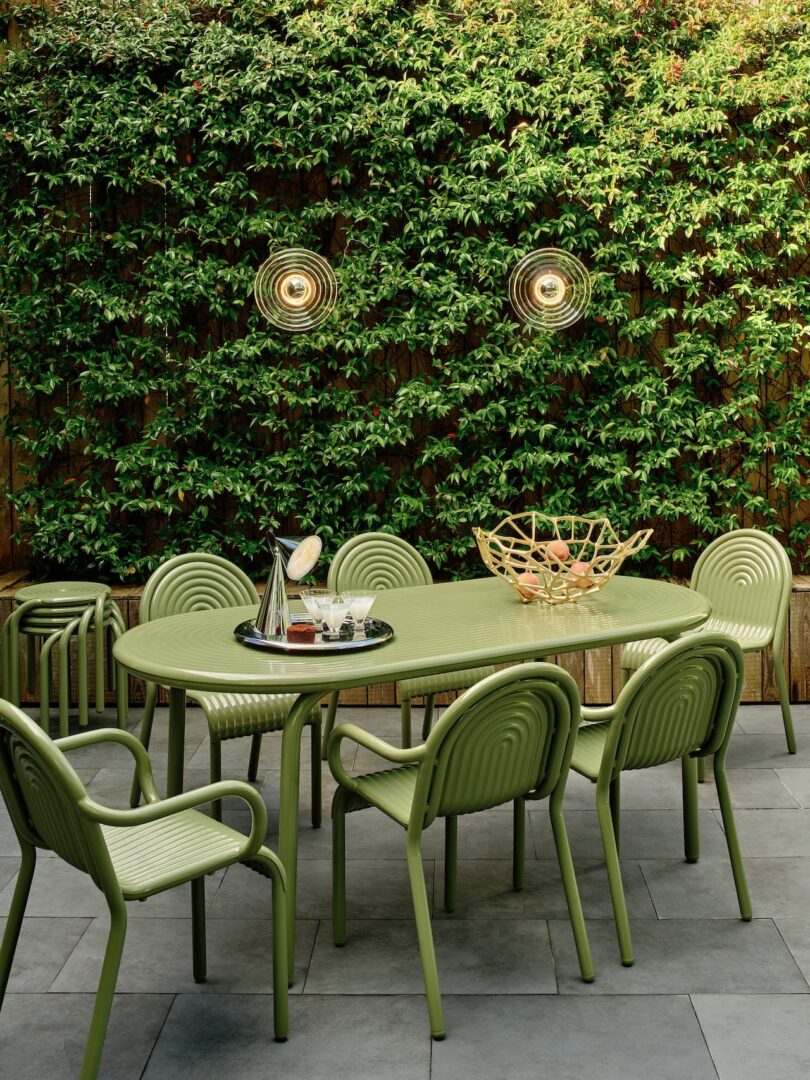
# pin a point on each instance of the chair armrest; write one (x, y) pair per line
(411, 756)
(143, 766)
(155, 811)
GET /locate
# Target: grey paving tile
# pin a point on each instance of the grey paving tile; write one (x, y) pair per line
(473, 957)
(9, 865)
(342, 1038)
(767, 752)
(705, 890)
(796, 933)
(754, 1036)
(61, 889)
(767, 719)
(374, 890)
(773, 833)
(42, 1036)
(618, 1038)
(43, 948)
(645, 834)
(157, 957)
(485, 891)
(797, 782)
(682, 956)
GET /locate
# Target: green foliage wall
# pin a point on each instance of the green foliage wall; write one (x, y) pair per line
(152, 153)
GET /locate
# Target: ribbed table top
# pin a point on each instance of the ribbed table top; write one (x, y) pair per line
(437, 628)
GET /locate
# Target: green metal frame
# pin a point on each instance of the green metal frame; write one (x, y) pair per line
(374, 562)
(129, 854)
(200, 581)
(747, 577)
(680, 704)
(508, 738)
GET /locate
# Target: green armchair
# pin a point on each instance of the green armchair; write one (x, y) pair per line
(680, 704)
(129, 854)
(508, 738)
(199, 581)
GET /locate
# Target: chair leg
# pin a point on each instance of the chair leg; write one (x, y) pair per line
(424, 931)
(427, 721)
(31, 651)
(614, 875)
(519, 844)
(784, 700)
(98, 631)
(737, 868)
(255, 754)
(146, 735)
(450, 861)
(216, 776)
(329, 723)
(406, 723)
(45, 681)
(81, 664)
(106, 990)
(701, 770)
(64, 681)
(691, 821)
(271, 867)
(316, 775)
(198, 928)
(121, 689)
(15, 916)
(339, 867)
(615, 798)
(569, 881)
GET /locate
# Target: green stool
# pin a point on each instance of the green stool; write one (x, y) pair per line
(56, 611)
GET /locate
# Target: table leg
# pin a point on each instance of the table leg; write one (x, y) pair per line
(294, 726)
(177, 741)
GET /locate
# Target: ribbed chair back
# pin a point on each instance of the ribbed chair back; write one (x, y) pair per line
(505, 737)
(747, 577)
(683, 701)
(196, 581)
(42, 793)
(377, 561)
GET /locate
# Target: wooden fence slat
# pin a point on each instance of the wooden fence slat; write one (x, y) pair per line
(598, 676)
(799, 679)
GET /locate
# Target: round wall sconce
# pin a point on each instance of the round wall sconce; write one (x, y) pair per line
(295, 289)
(549, 289)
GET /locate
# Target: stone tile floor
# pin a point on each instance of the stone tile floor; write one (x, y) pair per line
(709, 996)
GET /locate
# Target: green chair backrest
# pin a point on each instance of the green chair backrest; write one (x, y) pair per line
(683, 699)
(377, 561)
(42, 793)
(195, 582)
(513, 732)
(746, 575)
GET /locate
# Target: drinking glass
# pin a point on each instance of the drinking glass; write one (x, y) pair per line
(312, 599)
(334, 610)
(360, 604)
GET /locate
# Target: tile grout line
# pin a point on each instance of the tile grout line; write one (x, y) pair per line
(790, 951)
(705, 1040)
(291, 961)
(639, 863)
(157, 1037)
(79, 940)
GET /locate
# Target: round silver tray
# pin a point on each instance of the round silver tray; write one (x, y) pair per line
(375, 632)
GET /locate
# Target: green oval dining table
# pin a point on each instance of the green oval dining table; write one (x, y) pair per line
(437, 628)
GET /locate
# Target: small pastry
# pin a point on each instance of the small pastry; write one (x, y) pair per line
(301, 633)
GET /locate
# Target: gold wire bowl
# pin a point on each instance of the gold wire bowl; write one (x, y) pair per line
(556, 559)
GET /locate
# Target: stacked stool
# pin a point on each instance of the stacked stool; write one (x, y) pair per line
(55, 612)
